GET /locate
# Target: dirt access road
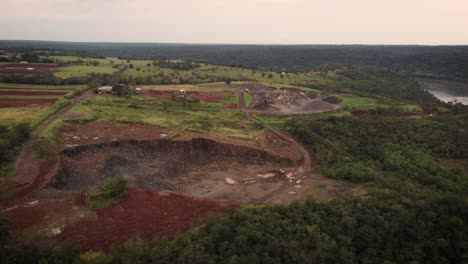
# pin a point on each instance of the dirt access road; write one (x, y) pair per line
(27, 168)
(305, 168)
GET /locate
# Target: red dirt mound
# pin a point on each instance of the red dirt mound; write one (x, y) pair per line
(147, 214)
(27, 68)
(40, 93)
(40, 103)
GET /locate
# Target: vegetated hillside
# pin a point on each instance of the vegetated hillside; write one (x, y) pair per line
(372, 81)
(445, 62)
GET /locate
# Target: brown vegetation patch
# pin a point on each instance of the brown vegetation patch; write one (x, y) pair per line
(231, 106)
(98, 132)
(39, 93)
(202, 96)
(278, 145)
(28, 68)
(48, 88)
(382, 113)
(33, 103)
(429, 110)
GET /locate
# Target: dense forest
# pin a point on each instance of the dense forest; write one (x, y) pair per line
(443, 62)
(375, 81)
(11, 140)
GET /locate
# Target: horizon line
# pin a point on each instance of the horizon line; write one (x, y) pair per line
(234, 44)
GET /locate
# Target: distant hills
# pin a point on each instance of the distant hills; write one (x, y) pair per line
(440, 62)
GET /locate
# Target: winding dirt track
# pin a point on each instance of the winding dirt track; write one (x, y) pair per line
(27, 168)
(304, 169)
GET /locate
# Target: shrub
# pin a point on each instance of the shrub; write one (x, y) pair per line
(114, 190)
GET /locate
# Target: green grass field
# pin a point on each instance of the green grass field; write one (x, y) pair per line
(354, 102)
(275, 121)
(218, 121)
(12, 116)
(81, 70)
(247, 99)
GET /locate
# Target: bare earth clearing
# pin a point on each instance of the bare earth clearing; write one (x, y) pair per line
(165, 170)
(286, 100)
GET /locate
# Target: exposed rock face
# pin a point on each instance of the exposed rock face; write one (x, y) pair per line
(151, 163)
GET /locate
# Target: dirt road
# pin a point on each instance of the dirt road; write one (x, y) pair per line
(27, 167)
(304, 169)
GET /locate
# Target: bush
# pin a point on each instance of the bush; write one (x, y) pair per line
(114, 190)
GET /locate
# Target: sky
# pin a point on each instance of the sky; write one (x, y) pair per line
(425, 22)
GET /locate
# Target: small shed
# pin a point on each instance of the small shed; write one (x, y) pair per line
(105, 90)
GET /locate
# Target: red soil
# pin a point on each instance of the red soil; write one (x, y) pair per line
(49, 88)
(279, 146)
(429, 111)
(21, 68)
(24, 217)
(39, 181)
(33, 93)
(147, 214)
(98, 132)
(40, 103)
(167, 95)
(232, 106)
(290, 89)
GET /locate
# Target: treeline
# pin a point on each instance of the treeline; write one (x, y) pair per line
(29, 57)
(442, 62)
(98, 79)
(11, 140)
(160, 78)
(183, 65)
(50, 79)
(380, 81)
(396, 153)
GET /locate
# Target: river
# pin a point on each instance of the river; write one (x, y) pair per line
(446, 91)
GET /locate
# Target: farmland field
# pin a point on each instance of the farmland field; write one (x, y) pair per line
(81, 71)
(35, 96)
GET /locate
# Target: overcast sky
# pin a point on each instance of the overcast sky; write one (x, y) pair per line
(238, 21)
